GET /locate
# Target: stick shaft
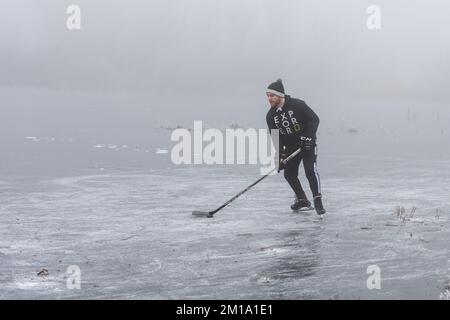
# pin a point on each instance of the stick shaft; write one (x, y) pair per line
(254, 183)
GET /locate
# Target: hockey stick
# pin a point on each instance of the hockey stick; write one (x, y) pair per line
(210, 214)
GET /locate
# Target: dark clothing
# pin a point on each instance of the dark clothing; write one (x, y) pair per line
(294, 120)
(310, 166)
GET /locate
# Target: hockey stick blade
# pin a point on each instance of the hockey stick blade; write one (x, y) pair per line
(202, 214)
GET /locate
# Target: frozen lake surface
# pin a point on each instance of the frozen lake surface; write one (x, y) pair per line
(132, 234)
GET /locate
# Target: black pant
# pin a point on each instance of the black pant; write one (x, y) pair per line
(309, 158)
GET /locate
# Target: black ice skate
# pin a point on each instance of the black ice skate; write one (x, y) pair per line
(301, 204)
(318, 205)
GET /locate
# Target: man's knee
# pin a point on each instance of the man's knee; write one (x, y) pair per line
(290, 174)
(286, 174)
(310, 172)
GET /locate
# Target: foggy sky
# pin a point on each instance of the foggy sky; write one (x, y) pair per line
(230, 47)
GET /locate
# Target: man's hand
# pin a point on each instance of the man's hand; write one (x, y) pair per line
(307, 143)
(281, 163)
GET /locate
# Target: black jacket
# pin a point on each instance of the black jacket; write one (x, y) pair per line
(294, 119)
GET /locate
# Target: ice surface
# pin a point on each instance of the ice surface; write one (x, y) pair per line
(133, 236)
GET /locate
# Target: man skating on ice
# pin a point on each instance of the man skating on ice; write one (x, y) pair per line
(297, 125)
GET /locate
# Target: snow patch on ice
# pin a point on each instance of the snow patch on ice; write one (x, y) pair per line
(28, 283)
(161, 151)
